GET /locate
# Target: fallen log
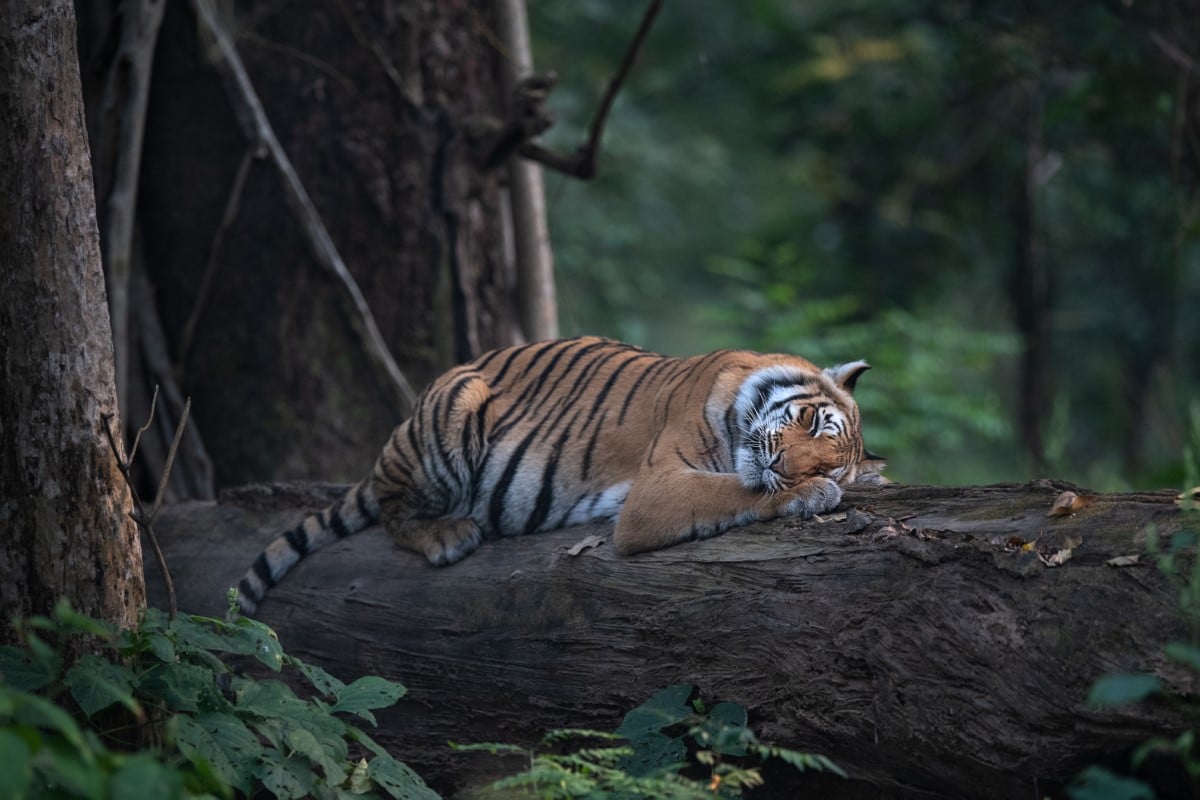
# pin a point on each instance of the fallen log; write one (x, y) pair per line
(918, 638)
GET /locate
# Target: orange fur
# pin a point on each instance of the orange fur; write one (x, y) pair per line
(539, 436)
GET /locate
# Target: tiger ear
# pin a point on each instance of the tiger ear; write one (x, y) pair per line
(846, 375)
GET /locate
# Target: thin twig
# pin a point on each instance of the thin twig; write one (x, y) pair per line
(232, 207)
(592, 148)
(299, 55)
(137, 438)
(143, 520)
(583, 162)
(410, 94)
(162, 482)
(1174, 53)
(258, 129)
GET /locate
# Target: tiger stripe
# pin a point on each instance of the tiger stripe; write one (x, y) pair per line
(534, 437)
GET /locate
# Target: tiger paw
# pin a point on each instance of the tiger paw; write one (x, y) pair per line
(443, 541)
(815, 496)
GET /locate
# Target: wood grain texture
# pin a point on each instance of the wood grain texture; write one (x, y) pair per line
(930, 663)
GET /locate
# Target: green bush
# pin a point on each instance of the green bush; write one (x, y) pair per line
(66, 731)
(1101, 783)
(664, 748)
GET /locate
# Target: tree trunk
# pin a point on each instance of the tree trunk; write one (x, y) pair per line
(65, 529)
(372, 103)
(932, 656)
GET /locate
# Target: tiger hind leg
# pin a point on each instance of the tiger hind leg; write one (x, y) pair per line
(443, 541)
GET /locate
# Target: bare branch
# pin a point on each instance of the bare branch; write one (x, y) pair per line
(258, 129)
(591, 150)
(192, 475)
(162, 483)
(232, 205)
(582, 163)
(137, 439)
(143, 520)
(127, 89)
(537, 302)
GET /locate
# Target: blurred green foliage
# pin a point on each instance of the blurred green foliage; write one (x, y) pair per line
(841, 180)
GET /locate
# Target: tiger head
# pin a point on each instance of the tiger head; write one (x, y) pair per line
(794, 424)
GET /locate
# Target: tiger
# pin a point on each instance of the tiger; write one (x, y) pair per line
(535, 437)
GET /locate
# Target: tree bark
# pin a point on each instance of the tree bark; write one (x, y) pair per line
(536, 297)
(372, 105)
(930, 656)
(65, 529)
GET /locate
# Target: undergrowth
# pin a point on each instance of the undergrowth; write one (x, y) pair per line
(71, 731)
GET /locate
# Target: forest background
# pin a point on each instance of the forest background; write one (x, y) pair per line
(994, 203)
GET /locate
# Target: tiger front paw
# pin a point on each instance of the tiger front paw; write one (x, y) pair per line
(453, 540)
(442, 541)
(816, 496)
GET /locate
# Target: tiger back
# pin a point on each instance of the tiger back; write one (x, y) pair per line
(541, 436)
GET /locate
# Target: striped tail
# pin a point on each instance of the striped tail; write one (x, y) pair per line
(357, 510)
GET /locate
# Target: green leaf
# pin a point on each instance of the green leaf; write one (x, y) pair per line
(1184, 653)
(71, 621)
(18, 766)
(397, 779)
(664, 709)
(143, 777)
(267, 648)
(162, 648)
(1121, 688)
(369, 691)
(276, 700)
(329, 756)
(73, 769)
(801, 761)
(195, 633)
(725, 731)
(182, 687)
(726, 713)
(223, 742)
(97, 683)
(24, 670)
(286, 777)
(321, 680)
(1097, 783)
(651, 752)
(37, 712)
(494, 748)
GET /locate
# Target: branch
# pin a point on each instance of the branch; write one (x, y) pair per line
(193, 475)
(143, 520)
(232, 207)
(537, 301)
(258, 129)
(591, 150)
(582, 163)
(127, 89)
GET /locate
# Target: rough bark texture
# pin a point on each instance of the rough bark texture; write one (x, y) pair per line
(371, 102)
(64, 524)
(928, 657)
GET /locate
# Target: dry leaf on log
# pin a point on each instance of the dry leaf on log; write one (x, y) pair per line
(585, 543)
(1065, 505)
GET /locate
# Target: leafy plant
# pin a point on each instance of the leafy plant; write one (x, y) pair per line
(654, 761)
(64, 732)
(1100, 783)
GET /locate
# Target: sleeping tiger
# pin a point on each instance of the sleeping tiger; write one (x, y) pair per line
(540, 436)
